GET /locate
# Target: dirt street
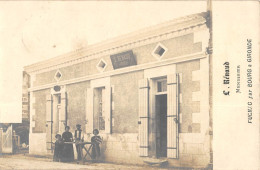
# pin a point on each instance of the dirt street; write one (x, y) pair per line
(22, 161)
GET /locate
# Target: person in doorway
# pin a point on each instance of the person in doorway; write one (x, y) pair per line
(96, 141)
(78, 138)
(58, 148)
(67, 153)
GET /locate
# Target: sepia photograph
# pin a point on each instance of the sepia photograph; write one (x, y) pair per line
(127, 85)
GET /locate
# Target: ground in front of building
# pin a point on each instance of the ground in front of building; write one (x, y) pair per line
(25, 161)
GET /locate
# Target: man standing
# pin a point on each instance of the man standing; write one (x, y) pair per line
(78, 139)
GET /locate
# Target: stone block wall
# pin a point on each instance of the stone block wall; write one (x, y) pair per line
(194, 138)
(76, 105)
(194, 150)
(188, 89)
(120, 148)
(124, 102)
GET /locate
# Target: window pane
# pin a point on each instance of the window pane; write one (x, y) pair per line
(162, 86)
(59, 98)
(159, 85)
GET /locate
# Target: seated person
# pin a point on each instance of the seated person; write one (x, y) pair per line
(58, 148)
(96, 140)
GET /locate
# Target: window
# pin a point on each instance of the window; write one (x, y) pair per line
(162, 85)
(159, 51)
(99, 108)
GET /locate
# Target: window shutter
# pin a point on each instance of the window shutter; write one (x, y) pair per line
(107, 109)
(143, 117)
(172, 115)
(63, 112)
(89, 111)
(49, 122)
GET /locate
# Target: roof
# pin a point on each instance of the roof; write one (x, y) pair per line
(124, 42)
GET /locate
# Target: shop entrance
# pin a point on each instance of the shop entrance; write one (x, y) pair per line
(161, 125)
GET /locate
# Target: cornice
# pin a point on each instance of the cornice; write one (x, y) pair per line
(167, 30)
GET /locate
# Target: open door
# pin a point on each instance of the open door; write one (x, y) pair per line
(143, 116)
(173, 116)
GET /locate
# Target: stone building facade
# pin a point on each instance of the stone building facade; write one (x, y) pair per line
(147, 92)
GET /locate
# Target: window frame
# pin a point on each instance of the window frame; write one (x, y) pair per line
(156, 86)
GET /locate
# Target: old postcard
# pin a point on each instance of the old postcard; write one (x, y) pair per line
(129, 85)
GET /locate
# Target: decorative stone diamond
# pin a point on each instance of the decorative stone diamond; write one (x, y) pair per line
(159, 51)
(101, 65)
(58, 75)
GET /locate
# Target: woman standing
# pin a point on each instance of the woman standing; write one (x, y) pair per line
(67, 154)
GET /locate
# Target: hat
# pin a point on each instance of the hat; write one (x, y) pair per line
(78, 125)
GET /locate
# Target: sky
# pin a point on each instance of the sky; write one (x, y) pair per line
(35, 31)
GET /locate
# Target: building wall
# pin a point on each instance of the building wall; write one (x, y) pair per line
(177, 46)
(39, 107)
(125, 101)
(122, 145)
(44, 78)
(187, 88)
(76, 104)
(194, 138)
(121, 148)
(37, 144)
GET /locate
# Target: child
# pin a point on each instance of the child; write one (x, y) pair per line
(58, 148)
(78, 138)
(96, 140)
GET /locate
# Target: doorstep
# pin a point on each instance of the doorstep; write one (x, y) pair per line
(155, 161)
